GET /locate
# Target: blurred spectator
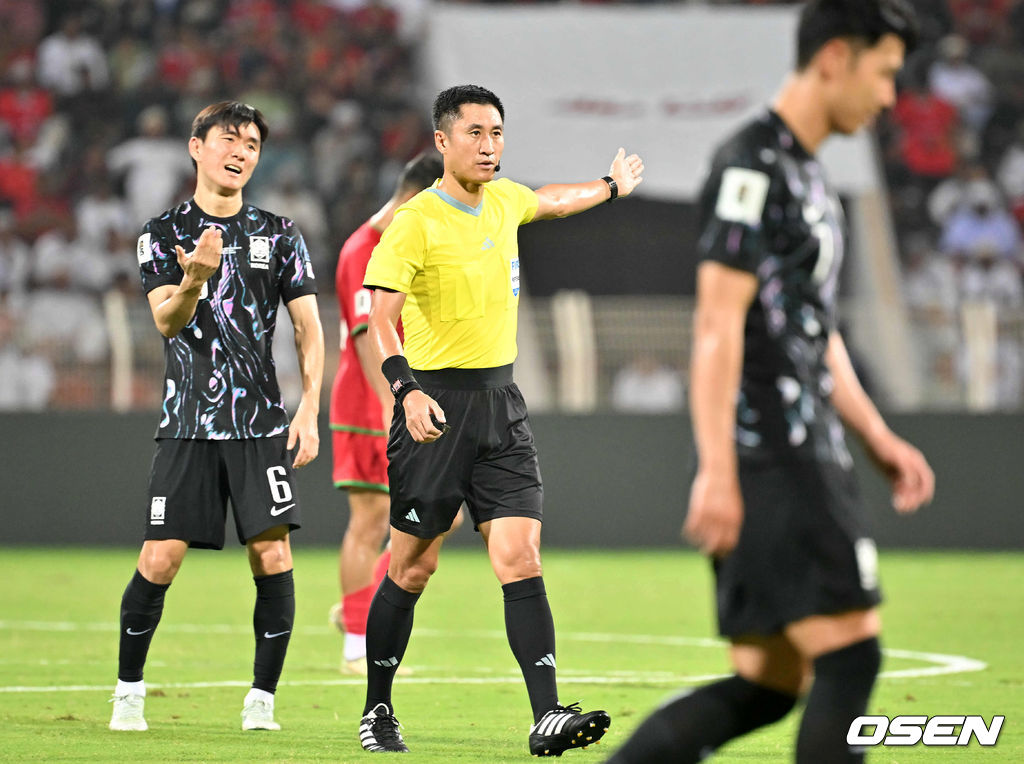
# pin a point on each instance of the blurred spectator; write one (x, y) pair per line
(72, 63)
(930, 282)
(1010, 173)
(200, 89)
(28, 379)
(935, 19)
(180, 56)
(978, 20)
(356, 198)
(337, 144)
(132, 64)
(60, 251)
(15, 259)
(23, 23)
(19, 179)
(252, 14)
(153, 165)
(931, 288)
(926, 131)
(24, 106)
(403, 136)
(981, 223)
(988, 277)
(290, 196)
(374, 21)
(101, 212)
(63, 321)
(122, 265)
(311, 16)
(1002, 63)
(647, 386)
(953, 79)
(947, 195)
(100, 134)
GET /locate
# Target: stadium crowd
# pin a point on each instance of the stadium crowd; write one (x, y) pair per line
(954, 155)
(95, 96)
(94, 100)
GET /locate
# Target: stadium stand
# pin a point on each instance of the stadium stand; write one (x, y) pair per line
(96, 94)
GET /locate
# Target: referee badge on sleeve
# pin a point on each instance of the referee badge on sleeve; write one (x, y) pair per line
(515, 277)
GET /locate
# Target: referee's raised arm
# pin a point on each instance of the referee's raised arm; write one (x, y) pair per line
(559, 200)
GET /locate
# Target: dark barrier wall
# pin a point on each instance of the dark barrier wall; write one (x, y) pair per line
(610, 480)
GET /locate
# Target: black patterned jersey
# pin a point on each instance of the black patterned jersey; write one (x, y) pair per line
(220, 381)
(767, 208)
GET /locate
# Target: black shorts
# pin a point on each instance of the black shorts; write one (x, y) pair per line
(804, 549)
(192, 480)
(487, 458)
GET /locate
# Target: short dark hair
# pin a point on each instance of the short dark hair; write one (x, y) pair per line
(231, 114)
(864, 21)
(448, 104)
(420, 172)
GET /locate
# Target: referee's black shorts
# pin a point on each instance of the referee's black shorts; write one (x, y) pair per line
(487, 458)
(804, 549)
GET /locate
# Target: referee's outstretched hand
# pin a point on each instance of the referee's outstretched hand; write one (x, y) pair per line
(418, 410)
(627, 172)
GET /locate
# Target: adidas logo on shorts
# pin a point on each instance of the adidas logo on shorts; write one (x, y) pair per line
(411, 516)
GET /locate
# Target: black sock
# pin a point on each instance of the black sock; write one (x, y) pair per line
(531, 635)
(842, 686)
(388, 627)
(272, 619)
(689, 728)
(142, 604)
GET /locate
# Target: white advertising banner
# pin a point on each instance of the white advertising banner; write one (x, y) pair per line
(668, 83)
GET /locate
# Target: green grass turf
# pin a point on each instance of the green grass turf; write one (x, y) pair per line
(633, 628)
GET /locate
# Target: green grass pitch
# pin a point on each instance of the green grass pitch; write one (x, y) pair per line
(633, 628)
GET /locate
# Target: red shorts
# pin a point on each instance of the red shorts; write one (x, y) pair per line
(360, 460)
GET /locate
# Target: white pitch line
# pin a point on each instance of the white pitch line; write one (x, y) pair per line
(195, 628)
(942, 664)
(947, 664)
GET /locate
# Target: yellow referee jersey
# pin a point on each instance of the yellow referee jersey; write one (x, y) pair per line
(459, 269)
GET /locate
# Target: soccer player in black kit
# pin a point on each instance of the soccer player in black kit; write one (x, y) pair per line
(215, 271)
(774, 502)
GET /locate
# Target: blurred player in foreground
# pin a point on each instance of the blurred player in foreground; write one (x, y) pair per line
(215, 271)
(774, 501)
(448, 266)
(361, 411)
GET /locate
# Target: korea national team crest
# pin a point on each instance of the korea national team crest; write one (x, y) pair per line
(515, 277)
(259, 252)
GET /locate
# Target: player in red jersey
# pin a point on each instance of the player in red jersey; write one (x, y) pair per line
(360, 423)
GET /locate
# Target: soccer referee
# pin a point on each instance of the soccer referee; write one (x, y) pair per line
(448, 266)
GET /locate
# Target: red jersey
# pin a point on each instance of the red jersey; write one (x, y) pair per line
(354, 405)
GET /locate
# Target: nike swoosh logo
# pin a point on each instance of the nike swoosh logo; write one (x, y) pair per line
(274, 511)
(268, 635)
(131, 633)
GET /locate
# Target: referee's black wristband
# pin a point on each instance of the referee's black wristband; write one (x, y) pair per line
(399, 376)
(612, 186)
